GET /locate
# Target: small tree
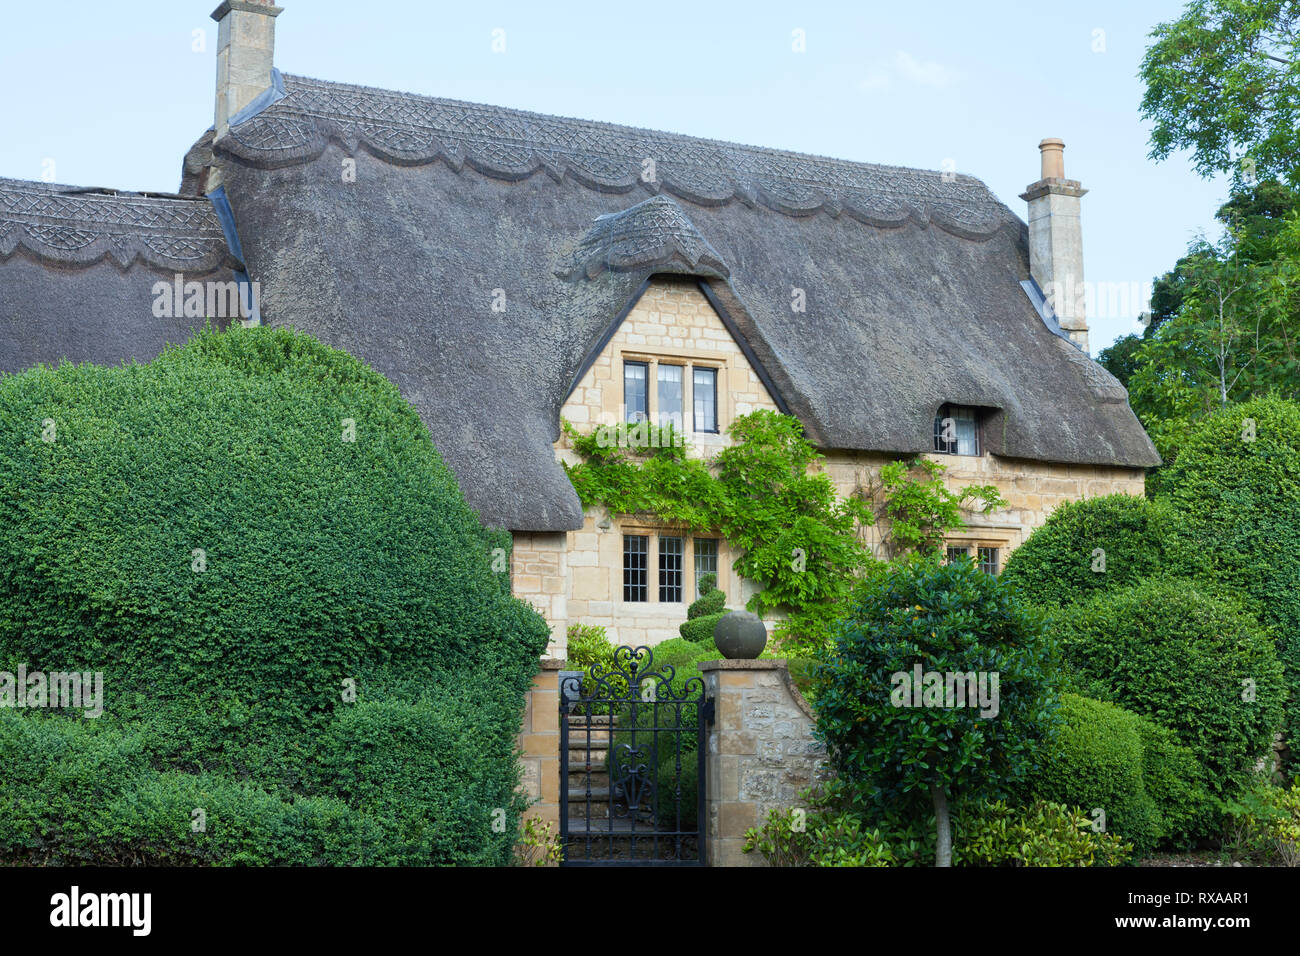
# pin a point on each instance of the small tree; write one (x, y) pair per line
(899, 742)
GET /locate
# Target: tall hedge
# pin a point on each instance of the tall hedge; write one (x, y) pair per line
(1198, 665)
(239, 533)
(1237, 481)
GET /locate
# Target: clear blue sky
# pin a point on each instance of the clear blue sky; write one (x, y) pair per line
(115, 93)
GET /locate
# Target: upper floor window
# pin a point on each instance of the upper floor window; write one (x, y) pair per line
(657, 391)
(636, 391)
(670, 396)
(957, 431)
(704, 387)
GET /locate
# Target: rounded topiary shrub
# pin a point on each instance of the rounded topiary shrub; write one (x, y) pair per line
(1111, 760)
(1099, 544)
(1237, 481)
(256, 543)
(705, 612)
(1199, 665)
(1176, 781)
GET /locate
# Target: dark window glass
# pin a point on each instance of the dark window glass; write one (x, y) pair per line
(956, 431)
(955, 553)
(635, 555)
(705, 393)
(706, 559)
(636, 396)
(670, 570)
(989, 560)
(670, 396)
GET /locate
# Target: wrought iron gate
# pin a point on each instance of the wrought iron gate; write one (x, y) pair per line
(632, 745)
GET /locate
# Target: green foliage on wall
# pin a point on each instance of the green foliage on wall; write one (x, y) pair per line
(767, 495)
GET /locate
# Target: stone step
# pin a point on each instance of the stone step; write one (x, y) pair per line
(580, 794)
(578, 828)
(583, 721)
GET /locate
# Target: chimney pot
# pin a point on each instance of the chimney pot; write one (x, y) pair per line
(1053, 156)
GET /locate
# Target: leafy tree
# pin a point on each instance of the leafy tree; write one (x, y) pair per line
(1223, 81)
(1232, 338)
(901, 746)
(1121, 358)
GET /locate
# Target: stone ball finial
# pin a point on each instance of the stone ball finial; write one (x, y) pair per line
(740, 635)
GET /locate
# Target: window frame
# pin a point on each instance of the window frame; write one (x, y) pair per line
(695, 561)
(645, 385)
(717, 417)
(664, 581)
(680, 424)
(947, 410)
(628, 570)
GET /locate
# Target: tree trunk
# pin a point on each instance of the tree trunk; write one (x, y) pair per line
(942, 826)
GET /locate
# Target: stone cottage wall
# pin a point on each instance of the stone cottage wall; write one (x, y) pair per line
(1033, 490)
(539, 575)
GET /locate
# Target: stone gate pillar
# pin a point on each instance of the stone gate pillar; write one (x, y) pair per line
(760, 755)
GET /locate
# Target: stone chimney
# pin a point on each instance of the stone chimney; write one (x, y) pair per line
(245, 55)
(1056, 241)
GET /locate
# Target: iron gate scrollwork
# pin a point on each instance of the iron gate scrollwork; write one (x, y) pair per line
(632, 746)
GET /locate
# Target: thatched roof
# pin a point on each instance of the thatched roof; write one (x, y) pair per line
(912, 279)
(78, 269)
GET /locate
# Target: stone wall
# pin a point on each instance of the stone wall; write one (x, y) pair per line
(761, 753)
(674, 324)
(539, 739)
(539, 575)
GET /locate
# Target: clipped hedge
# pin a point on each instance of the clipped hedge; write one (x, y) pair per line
(1100, 544)
(237, 535)
(1237, 481)
(1106, 758)
(704, 613)
(1198, 665)
(1176, 781)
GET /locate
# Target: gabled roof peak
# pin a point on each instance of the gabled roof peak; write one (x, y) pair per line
(655, 235)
